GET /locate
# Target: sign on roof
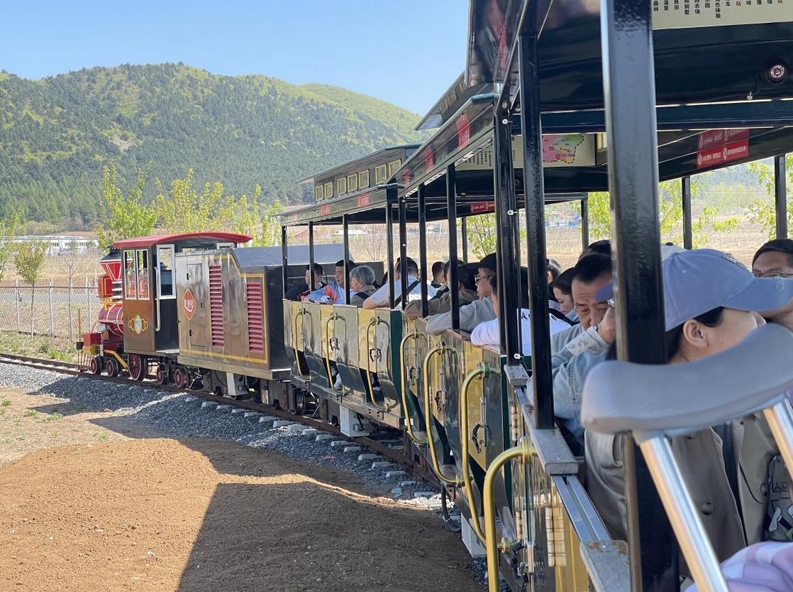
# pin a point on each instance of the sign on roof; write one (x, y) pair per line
(682, 14)
(558, 150)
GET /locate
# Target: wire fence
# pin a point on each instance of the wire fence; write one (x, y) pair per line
(47, 309)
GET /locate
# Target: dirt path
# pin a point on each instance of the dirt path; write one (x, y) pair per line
(109, 513)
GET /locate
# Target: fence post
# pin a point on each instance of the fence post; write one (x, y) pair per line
(52, 317)
(71, 324)
(17, 298)
(88, 297)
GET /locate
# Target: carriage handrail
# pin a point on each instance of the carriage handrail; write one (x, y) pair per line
(428, 418)
(334, 317)
(483, 372)
(299, 314)
(408, 425)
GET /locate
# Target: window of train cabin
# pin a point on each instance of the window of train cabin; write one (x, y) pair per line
(363, 179)
(328, 189)
(393, 166)
(143, 273)
(130, 276)
(352, 183)
(341, 186)
(165, 265)
(319, 194)
(381, 174)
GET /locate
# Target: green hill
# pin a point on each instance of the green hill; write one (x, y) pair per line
(56, 134)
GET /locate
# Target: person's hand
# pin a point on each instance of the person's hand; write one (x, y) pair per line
(607, 329)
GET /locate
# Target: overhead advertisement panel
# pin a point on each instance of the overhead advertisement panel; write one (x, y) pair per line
(683, 14)
(558, 150)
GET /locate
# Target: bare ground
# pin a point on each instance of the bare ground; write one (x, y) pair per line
(85, 508)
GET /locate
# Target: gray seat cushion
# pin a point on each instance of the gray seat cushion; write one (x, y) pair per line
(677, 399)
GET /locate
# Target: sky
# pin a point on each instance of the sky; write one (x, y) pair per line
(407, 52)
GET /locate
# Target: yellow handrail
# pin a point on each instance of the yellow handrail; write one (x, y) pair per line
(408, 425)
(332, 317)
(522, 451)
(469, 493)
(299, 314)
(428, 419)
(373, 323)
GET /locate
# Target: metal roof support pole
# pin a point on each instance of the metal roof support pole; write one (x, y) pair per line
(425, 272)
(403, 251)
(311, 285)
(345, 229)
(688, 237)
(629, 92)
(451, 213)
(534, 192)
(391, 197)
(584, 224)
(284, 259)
(464, 236)
(507, 232)
(780, 196)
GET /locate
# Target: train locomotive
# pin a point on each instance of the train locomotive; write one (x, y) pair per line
(195, 310)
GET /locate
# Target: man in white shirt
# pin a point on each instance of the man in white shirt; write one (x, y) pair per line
(380, 298)
(488, 333)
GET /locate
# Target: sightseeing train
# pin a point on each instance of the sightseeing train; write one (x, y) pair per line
(587, 106)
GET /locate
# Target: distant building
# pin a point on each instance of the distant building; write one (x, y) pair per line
(57, 245)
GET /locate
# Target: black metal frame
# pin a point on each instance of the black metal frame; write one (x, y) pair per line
(451, 281)
(780, 196)
(685, 193)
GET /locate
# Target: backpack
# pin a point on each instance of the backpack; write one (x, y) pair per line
(779, 514)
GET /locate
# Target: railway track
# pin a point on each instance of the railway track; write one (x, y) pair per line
(381, 443)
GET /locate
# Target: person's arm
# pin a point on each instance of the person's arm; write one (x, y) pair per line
(486, 333)
(378, 299)
(438, 323)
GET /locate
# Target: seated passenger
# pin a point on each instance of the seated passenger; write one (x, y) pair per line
(438, 274)
(361, 284)
(708, 302)
(380, 297)
(554, 269)
(300, 291)
(562, 291)
(465, 287)
(334, 291)
(478, 311)
(775, 259)
(488, 333)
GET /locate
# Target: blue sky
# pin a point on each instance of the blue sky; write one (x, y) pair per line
(403, 51)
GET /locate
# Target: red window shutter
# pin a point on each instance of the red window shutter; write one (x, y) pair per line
(253, 300)
(216, 305)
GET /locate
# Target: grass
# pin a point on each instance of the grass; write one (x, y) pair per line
(103, 437)
(6, 402)
(54, 417)
(38, 346)
(31, 413)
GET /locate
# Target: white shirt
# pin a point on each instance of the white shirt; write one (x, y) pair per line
(488, 333)
(380, 298)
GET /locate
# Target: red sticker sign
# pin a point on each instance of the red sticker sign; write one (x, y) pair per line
(463, 130)
(189, 304)
(721, 154)
(483, 206)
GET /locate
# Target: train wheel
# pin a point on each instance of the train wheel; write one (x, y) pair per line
(162, 374)
(137, 367)
(95, 365)
(112, 367)
(180, 377)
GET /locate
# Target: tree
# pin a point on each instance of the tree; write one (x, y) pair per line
(182, 209)
(481, 232)
(670, 215)
(762, 210)
(124, 217)
(8, 228)
(271, 227)
(29, 259)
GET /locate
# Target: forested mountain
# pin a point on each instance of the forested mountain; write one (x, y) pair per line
(56, 134)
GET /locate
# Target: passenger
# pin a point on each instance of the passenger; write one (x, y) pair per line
(300, 292)
(380, 297)
(334, 291)
(708, 302)
(438, 276)
(775, 259)
(361, 284)
(488, 333)
(478, 311)
(465, 287)
(554, 269)
(562, 290)
(599, 247)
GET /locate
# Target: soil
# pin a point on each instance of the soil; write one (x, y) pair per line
(109, 512)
